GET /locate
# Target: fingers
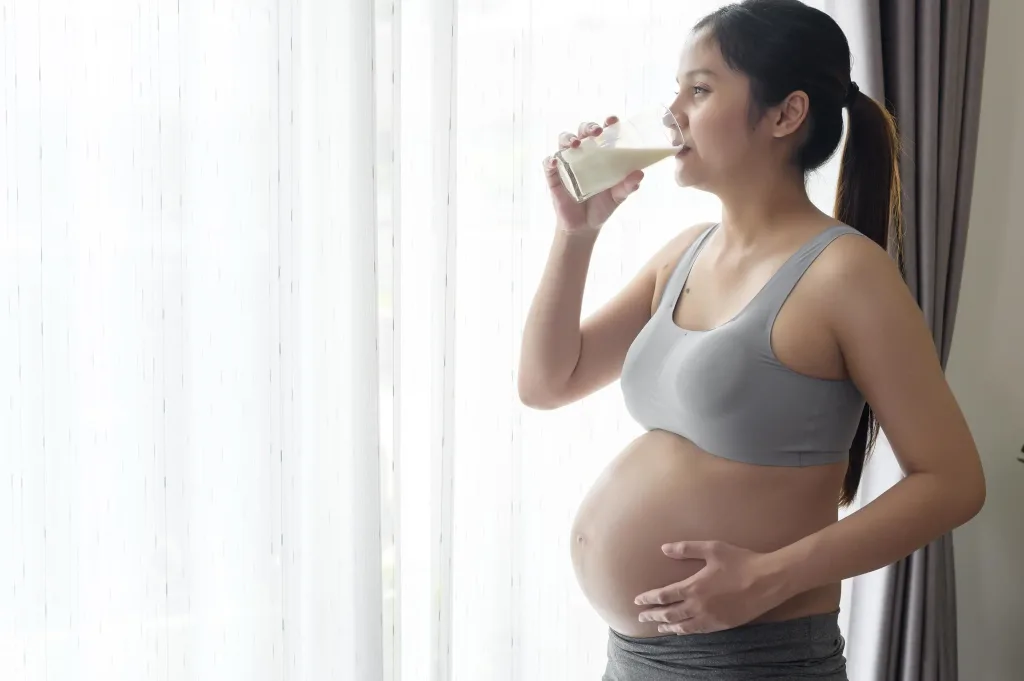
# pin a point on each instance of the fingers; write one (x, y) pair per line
(699, 550)
(621, 191)
(551, 172)
(672, 614)
(664, 596)
(678, 619)
(690, 626)
(568, 140)
(589, 129)
(634, 177)
(671, 594)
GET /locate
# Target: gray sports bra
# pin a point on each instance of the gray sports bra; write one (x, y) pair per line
(724, 390)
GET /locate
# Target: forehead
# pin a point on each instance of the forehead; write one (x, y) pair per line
(700, 54)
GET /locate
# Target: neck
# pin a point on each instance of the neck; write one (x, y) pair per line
(750, 209)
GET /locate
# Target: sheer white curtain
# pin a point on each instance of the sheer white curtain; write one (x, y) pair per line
(264, 268)
(189, 483)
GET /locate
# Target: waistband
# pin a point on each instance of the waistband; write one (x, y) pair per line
(805, 647)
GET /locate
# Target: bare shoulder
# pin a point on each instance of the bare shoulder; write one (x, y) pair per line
(664, 262)
(859, 285)
(855, 261)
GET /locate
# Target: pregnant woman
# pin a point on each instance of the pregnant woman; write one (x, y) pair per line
(759, 354)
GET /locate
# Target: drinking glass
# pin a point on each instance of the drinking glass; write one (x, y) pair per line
(630, 144)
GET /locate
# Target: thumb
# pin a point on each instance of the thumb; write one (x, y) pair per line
(621, 192)
(699, 550)
(552, 176)
(627, 186)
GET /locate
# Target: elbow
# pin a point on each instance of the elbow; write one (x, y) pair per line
(972, 497)
(536, 400)
(535, 395)
(976, 500)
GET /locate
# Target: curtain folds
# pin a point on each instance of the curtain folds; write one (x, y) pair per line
(925, 61)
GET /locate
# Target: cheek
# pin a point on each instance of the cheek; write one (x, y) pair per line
(720, 135)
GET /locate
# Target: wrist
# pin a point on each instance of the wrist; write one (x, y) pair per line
(575, 237)
(581, 230)
(776, 576)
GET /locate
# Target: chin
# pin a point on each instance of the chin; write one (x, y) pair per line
(687, 180)
(685, 175)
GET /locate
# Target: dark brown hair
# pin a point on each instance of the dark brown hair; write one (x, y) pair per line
(784, 46)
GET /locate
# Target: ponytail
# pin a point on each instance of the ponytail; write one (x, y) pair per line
(868, 199)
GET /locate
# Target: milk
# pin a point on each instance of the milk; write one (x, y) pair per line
(591, 168)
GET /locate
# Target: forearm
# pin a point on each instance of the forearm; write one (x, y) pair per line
(914, 512)
(551, 336)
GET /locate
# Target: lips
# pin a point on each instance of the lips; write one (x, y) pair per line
(683, 151)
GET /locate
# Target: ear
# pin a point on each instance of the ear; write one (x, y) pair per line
(789, 115)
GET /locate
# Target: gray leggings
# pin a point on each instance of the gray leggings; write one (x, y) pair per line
(803, 648)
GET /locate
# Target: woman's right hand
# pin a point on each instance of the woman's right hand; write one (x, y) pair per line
(592, 213)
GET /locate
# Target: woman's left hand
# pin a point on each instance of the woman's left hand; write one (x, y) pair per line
(735, 586)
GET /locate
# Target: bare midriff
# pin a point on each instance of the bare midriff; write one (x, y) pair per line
(663, 488)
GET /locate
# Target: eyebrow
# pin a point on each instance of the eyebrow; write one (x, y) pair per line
(698, 72)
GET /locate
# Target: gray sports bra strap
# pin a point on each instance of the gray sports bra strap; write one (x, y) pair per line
(674, 286)
(778, 288)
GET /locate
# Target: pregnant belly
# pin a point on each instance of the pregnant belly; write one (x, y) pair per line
(663, 488)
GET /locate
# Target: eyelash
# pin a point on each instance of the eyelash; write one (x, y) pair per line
(697, 89)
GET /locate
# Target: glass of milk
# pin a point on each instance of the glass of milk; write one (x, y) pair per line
(633, 143)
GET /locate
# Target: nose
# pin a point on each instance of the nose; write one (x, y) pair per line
(675, 116)
(673, 122)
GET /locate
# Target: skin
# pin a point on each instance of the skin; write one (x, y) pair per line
(673, 539)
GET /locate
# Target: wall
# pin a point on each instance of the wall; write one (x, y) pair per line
(986, 369)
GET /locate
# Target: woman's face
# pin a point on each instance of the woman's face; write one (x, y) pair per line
(712, 108)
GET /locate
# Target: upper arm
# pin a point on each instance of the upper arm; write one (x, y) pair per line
(605, 336)
(891, 357)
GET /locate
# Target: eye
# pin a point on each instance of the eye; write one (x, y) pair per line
(695, 91)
